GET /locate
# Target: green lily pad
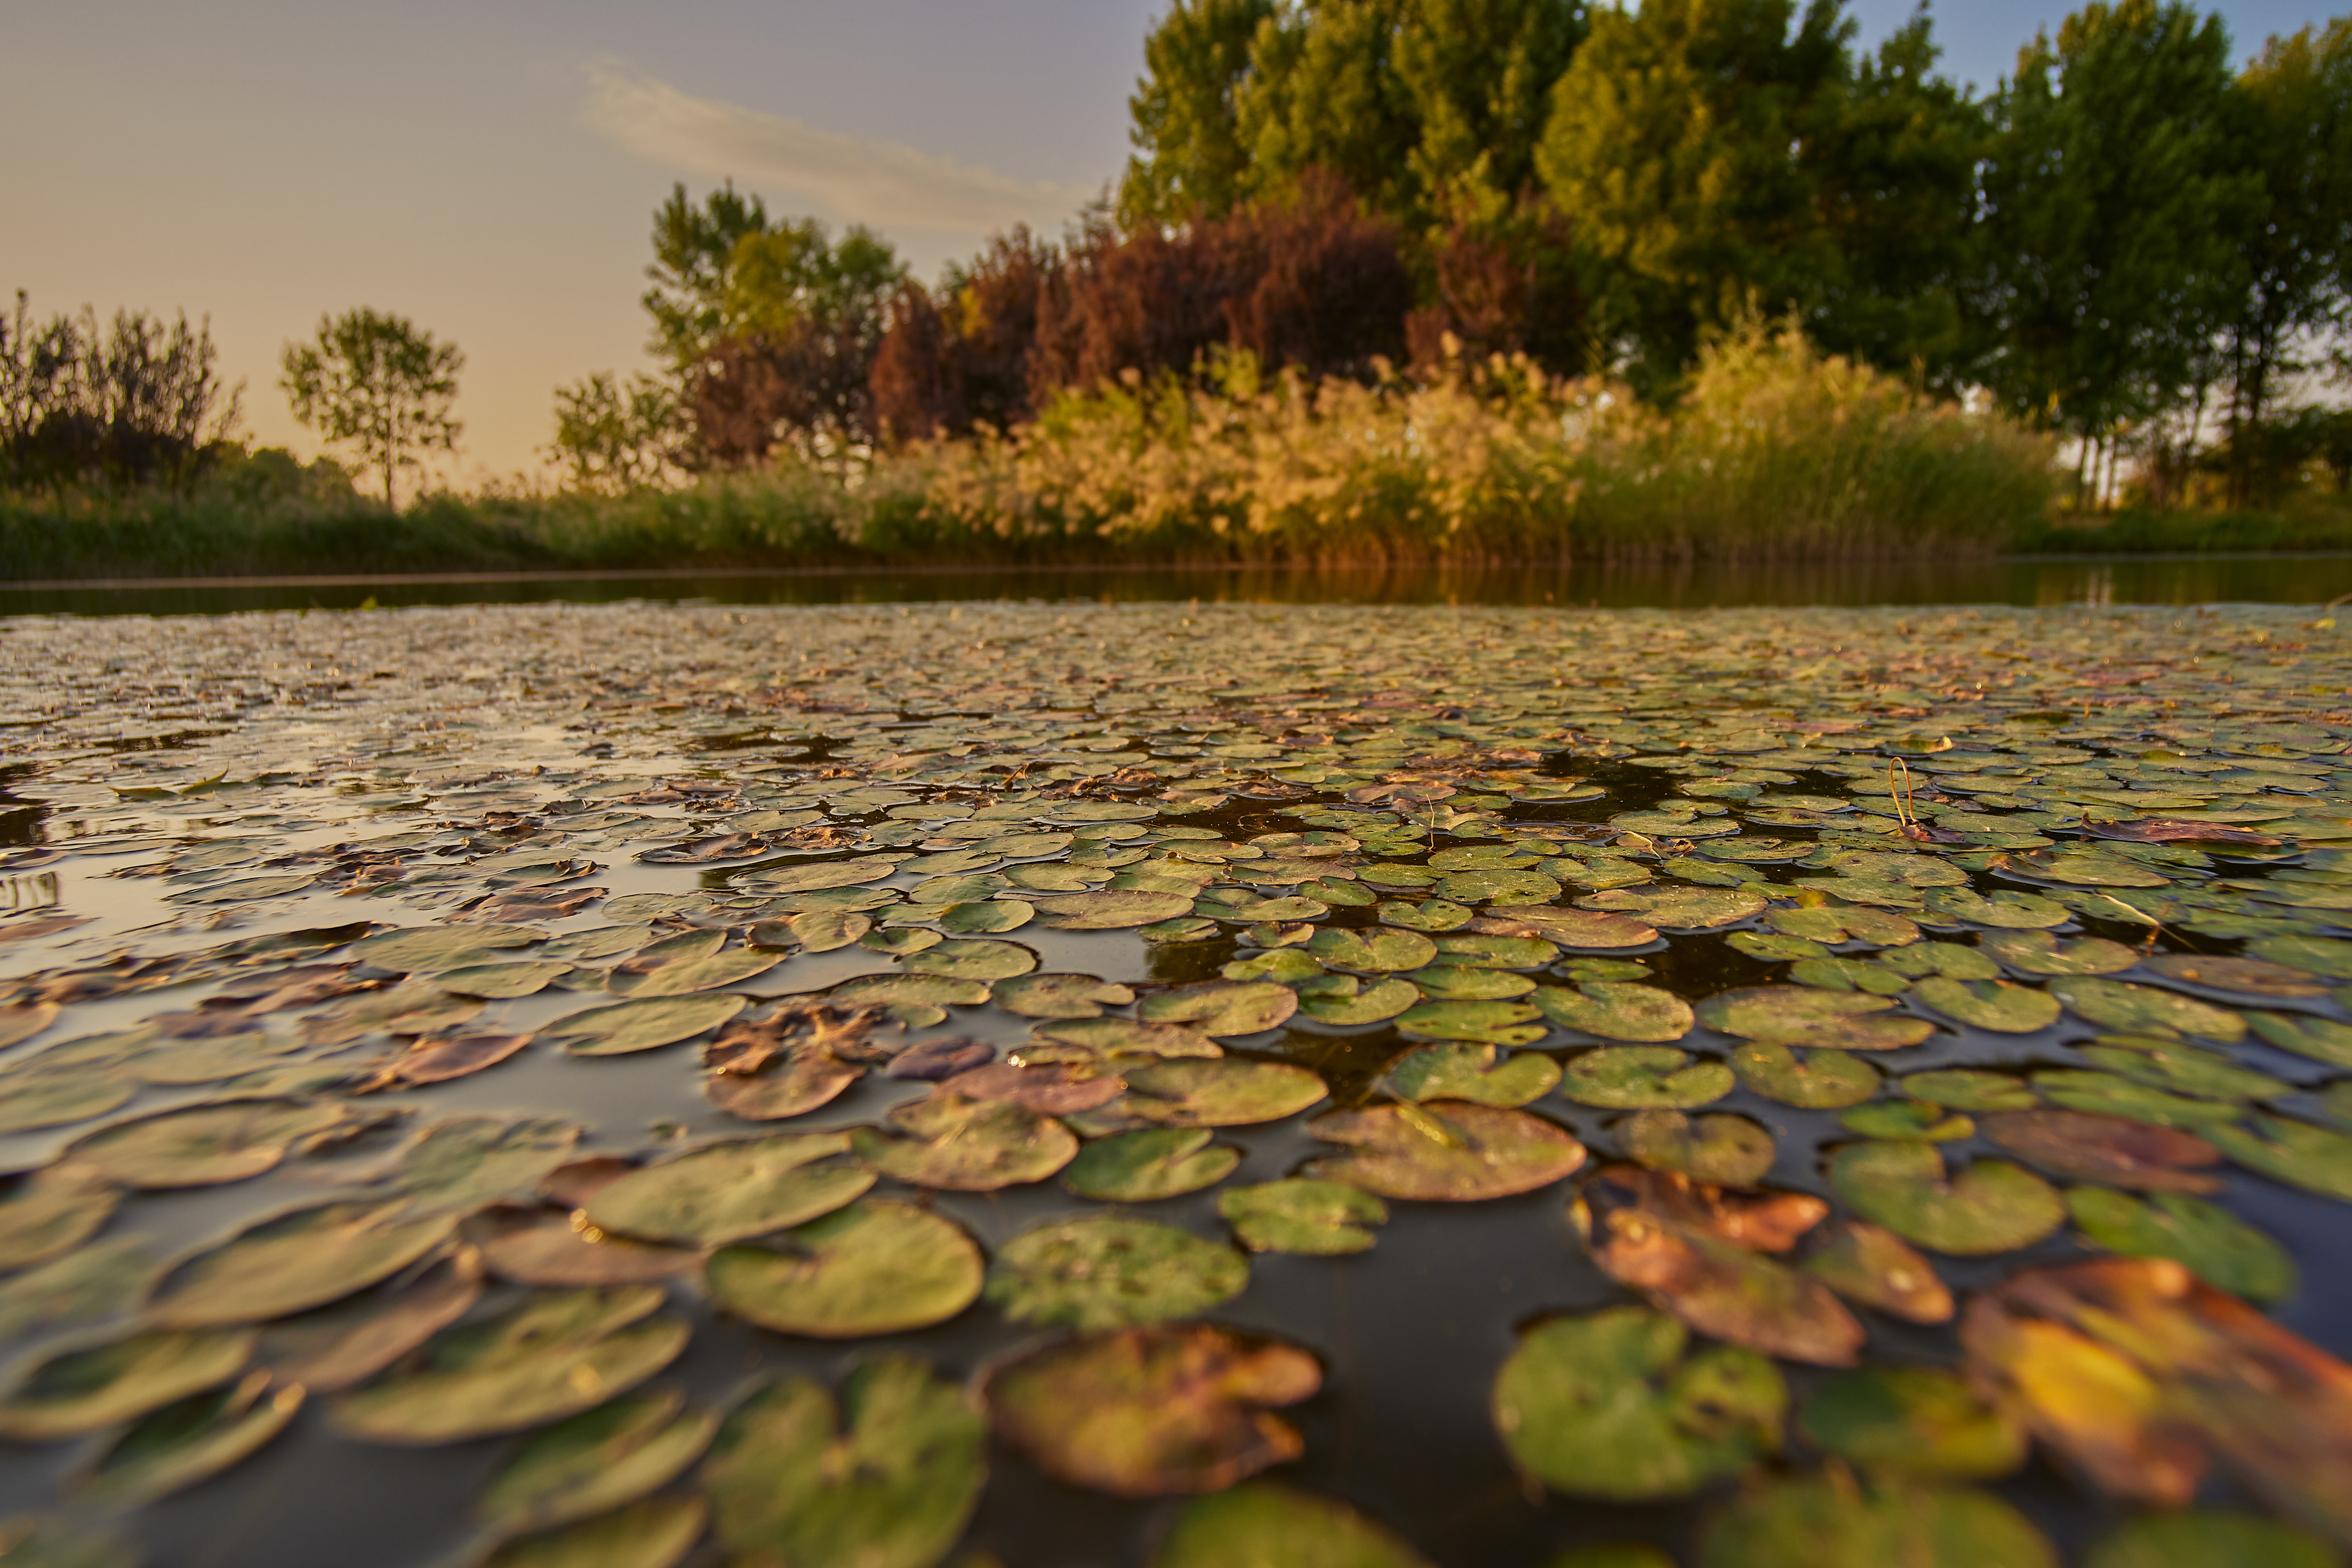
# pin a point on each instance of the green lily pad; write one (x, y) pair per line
(1720, 1150)
(1286, 964)
(1319, 1219)
(1950, 959)
(2321, 1039)
(1845, 922)
(876, 1267)
(1916, 1421)
(825, 930)
(1150, 1164)
(1907, 1118)
(1264, 1522)
(1498, 887)
(1681, 908)
(1992, 1206)
(192, 1440)
(1771, 947)
(2299, 1153)
(2108, 1094)
(948, 1142)
(2145, 1009)
(1617, 1012)
(1107, 1271)
(433, 950)
(640, 1026)
(2331, 957)
(553, 1354)
(888, 1479)
(1111, 909)
(2246, 976)
(1815, 1080)
(1486, 951)
(1226, 1091)
(58, 1097)
(817, 876)
(2210, 1539)
(1431, 915)
(1585, 929)
(2005, 911)
(1806, 1015)
(653, 1533)
(498, 981)
(1994, 1004)
(1849, 974)
(51, 1212)
(206, 1145)
(77, 1391)
(1462, 982)
(2209, 1240)
(2171, 1065)
(985, 916)
(1189, 927)
(1971, 1088)
(469, 1161)
(689, 975)
(1632, 1078)
(88, 1285)
(338, 1346)
(727, 1192)
(918, 997)
(1606, 1406)
(1875, 1267)
(974, 960)
(1448, 1153)
(1493, 1023)
(1372, 952)
(1820, 1522)
(1221, 1007)
(2039, 952)
(1145, 1412)
(297, 1261)
(1462, 1071)
(1373, 1003)
(1059, 995)
(1126, 1036)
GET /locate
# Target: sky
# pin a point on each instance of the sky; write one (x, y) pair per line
(490, 170)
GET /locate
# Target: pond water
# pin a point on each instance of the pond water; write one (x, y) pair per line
(1087, 1084)
(2272, 579)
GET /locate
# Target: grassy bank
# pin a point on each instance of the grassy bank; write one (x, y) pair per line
(1776, 453)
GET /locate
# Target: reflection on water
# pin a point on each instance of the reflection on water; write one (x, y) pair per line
(2022, 580)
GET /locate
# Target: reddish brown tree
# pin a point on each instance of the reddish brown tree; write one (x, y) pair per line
(1503, 288)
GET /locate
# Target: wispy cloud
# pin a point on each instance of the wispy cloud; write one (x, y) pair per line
(881, 182)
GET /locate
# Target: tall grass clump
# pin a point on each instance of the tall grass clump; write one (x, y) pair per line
(1774, 450)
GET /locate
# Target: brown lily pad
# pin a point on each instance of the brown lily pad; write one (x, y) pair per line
(2090, 1147)
(1448, 1153)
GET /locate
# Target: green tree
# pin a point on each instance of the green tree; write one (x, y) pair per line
(1323, 92)
(1478, 76)
(2293, 133)
(2108, 198)
(375, 383)
(615, 437)
(1678, 148)
(1189, 155)
(694, 248)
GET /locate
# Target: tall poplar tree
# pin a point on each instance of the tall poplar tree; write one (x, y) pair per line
(1189, 157)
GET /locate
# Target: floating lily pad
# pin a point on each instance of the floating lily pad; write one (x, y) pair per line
(1145, 1412)
(77, 1391)
(88, 1285)
(51, 1212)
(338, 1346)
(2246, 976)
(2112, 1148)
(1971, 1088)
(1221, 1007)
(1720, 1150)
(1617, 1012)
(1431, 915)
(972, 960)
(555, 1246)
(1108, 1272)
(986, 916)
(1448, 1153)
(1815, 1079)
(1630, 1078)
(1992, 1206)
(1463, 983)
(1148, 1164)
(552, 1355)
(192, 1440)
(1907, 1118)
(501, 981)
(654, 1532)
(1916, 1421)
(1875, 1267)
(2299, 1153)
(58, 1098)
(206, 1145)
(1584, 929)
(876, 1267)
(1681, 909)
(965, 1145)
(1845, 922)
(2141, 1009)
(2005, 911)
(2039, 952)
(1372, 952)
(2210, 1539)
(1060, 995)
(433, 950)
(819, 874)
(1460, 1071)
(640, 1026)
(1994, 1004)
(685, 977)
(823, 931)
(918, 997)
(888, 1479)
(2215, 1244)
(1606, 1406)
(1219, 1092)
(1126, 1036)
(1373, 1003)
(2321, 1039)
(1493, 1023)
(727, 1192)
(1806, 1015)
(469, 1161)
(1771, 947)
(300, 1260)
(1111, 909)
(1319, 1219)
(1264, 1522)
(1819, 1522)
(2330, 957)
(1498, 887)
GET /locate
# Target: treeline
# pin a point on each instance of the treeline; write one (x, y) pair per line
(135, 402)
(2128, 243)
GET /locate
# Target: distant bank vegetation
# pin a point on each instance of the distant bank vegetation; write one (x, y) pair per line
(1396, 278)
